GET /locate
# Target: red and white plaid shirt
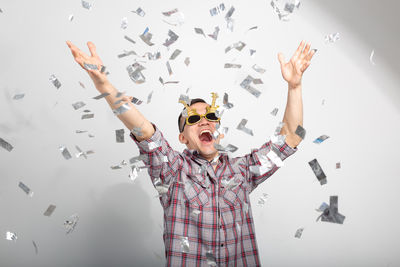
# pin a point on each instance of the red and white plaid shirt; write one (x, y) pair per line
(207, 214)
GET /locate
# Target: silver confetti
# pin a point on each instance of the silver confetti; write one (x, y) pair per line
(134, 173)
(214, 35)
(175, 54)
(298, 233)
(245, 84)
(195, 213)
(371, 57)
(252, 52)
(137, 131)
(103, 69)
(124, 23)
(119, 166)
(149, 97)
(35, 246)
(199, 31)
(338, 165)
(18, 96)
(87, 116)
(78, 105)
(300, 131)
(242, 127)
(146, 37)
(133, 160)
(262, 199)
(266, 166)
(211, 260)
(129, 39)
(230, 65)
(217, 10)
(136, 101)
(184, 98)
(273, 155)
(229, 148)
(154, 145)
(121, 109)
(319, 173)
(152, 56)
(55, 81)
(65, 152)
(322, 207)
(71, 223)
(90, 66)
(71, 17)
(101, 96)
(184, 244)
(140, 12)
(258, 68)
(81, 153)
(332, 38)
(82, 85)
(119, 135)
(172, 38)
(11, 236)
(127, 53)
(320, 139)
(331, 214)
(187, 61)
(169, 68)
(49, 210)
(86, 5)
(135, 73)
(26, 189)
(226, 102)
(238, 46)
(229, 13)
(257, 81)
(274, 112)
(170, 12)
(160, 187)
(4, 144)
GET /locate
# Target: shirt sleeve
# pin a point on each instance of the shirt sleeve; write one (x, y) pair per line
(162, 161)
(263, 162)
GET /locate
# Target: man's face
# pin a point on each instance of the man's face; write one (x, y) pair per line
(200, 135)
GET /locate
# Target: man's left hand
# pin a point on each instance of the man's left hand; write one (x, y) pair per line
(293, 70)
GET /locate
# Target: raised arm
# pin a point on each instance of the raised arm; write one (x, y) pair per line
(131, 118)
(292, 72)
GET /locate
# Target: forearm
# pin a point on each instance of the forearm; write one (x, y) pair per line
(293, 116)
(131, 118)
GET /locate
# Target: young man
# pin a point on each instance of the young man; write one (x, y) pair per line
(208, 219)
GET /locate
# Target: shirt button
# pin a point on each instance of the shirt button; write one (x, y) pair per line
(222, 244)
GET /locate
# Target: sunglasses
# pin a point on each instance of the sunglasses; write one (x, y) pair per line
(195, 118)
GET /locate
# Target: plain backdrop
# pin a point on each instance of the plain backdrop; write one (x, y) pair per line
(346, 96)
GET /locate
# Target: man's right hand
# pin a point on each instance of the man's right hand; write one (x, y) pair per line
(81, 58)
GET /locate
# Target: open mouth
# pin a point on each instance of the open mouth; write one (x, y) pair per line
(205, 137)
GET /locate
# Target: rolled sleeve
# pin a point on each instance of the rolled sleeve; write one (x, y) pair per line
(266, 160)
(162, 161)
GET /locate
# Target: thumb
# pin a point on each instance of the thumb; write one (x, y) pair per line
(281, 58)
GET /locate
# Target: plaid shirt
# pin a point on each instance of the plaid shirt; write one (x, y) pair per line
(207, 214)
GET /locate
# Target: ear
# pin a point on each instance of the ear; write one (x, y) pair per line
(183, 139)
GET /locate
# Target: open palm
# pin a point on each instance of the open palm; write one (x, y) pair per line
(82, 58)
(292, 71)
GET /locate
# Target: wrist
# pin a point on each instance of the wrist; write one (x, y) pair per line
(293, 86)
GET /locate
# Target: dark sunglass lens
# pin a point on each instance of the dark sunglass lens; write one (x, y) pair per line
(193, 119)
(212, 116)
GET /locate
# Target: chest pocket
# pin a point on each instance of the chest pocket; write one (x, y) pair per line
(196, 194)
(234, 192)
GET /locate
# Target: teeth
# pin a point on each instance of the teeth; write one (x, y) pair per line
(205, 131)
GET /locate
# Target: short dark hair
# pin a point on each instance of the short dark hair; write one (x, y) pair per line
(192, 102)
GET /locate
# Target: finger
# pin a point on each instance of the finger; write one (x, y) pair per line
(299, 49)
(281, 59)
(311, 54)
(306, 50)
(92, 49)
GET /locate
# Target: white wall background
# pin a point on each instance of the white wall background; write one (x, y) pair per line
(120, 221)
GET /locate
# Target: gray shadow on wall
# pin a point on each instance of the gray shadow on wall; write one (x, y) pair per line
(122, 228)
